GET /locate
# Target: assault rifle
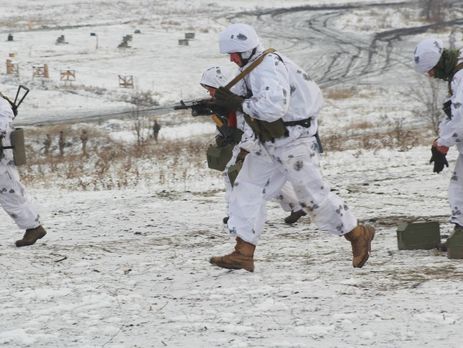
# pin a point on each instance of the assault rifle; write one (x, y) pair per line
(206, 107)
(17, 99)
(199, 107)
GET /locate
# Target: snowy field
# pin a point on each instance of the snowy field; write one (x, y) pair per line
(129, 268)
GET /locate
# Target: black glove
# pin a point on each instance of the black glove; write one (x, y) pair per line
(439, 160)
(220, 140)
(228, 100)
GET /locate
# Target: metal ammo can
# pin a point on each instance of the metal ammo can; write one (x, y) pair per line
(420, 235)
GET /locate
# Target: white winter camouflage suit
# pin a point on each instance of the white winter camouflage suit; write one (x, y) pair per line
(451, 133)
(281, 89)
(217, 77)
(12, 195)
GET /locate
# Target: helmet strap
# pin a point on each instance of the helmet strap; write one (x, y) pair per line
(246, 60)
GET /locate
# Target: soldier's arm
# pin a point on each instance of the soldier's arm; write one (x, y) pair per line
(451, 129)
(270, 90)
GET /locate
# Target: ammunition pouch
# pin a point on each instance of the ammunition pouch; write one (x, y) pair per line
(219, 156)
(267, 131)
(447, 108)
(233, 171)
(17, 145)
(19, 148)
(233, 137)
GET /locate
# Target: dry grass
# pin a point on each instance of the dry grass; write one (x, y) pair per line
(395, 138)
(109, 164)
(339, 93)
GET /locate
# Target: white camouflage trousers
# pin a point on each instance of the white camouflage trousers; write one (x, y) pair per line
(13, 200)
(456, 193)
(286, 197)
(262, 176)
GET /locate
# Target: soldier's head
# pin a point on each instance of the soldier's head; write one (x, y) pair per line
(213, 78)
(427, 55)
(240, 41)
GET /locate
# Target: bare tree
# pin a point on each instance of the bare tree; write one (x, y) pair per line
(430, 96)
(140, 99)
(433, 10)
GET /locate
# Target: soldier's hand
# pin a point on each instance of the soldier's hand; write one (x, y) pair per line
(438, 156)
(228, 100)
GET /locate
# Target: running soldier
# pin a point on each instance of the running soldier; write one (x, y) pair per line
(211, 80)
(281, 106)
(12, 193)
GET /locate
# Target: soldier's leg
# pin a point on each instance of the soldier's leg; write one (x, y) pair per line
(247, 212)
(227, 181)
(455, 193)
(247, 200)
(14, 201)
(327, 210)
(21, 210)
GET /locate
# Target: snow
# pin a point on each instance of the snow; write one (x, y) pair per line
(129, 267)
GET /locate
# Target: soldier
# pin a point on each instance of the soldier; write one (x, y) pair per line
(61, 143)
(281, 106)
(47, 144)
(156, 129)
(212, 79)
(12, 193)
(84, 139)
(433, 59)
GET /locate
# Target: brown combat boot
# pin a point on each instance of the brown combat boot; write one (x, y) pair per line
(31, 236)
(241, 257)
(360, 238)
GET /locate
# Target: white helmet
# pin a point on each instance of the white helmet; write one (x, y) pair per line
(214, 77)
(427, 54)
(237, 38)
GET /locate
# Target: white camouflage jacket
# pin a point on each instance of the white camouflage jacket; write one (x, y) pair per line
(281, 89)
(451, 129)
(6, 127)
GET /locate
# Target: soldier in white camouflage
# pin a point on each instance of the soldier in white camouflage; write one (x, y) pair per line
(281, 105)
(432, 59)
(12, 193)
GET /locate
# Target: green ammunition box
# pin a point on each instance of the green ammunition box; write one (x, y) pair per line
(455, 245)
(420, 235)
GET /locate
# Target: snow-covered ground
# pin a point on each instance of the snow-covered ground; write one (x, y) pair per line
(129, 268)
(169, 72)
